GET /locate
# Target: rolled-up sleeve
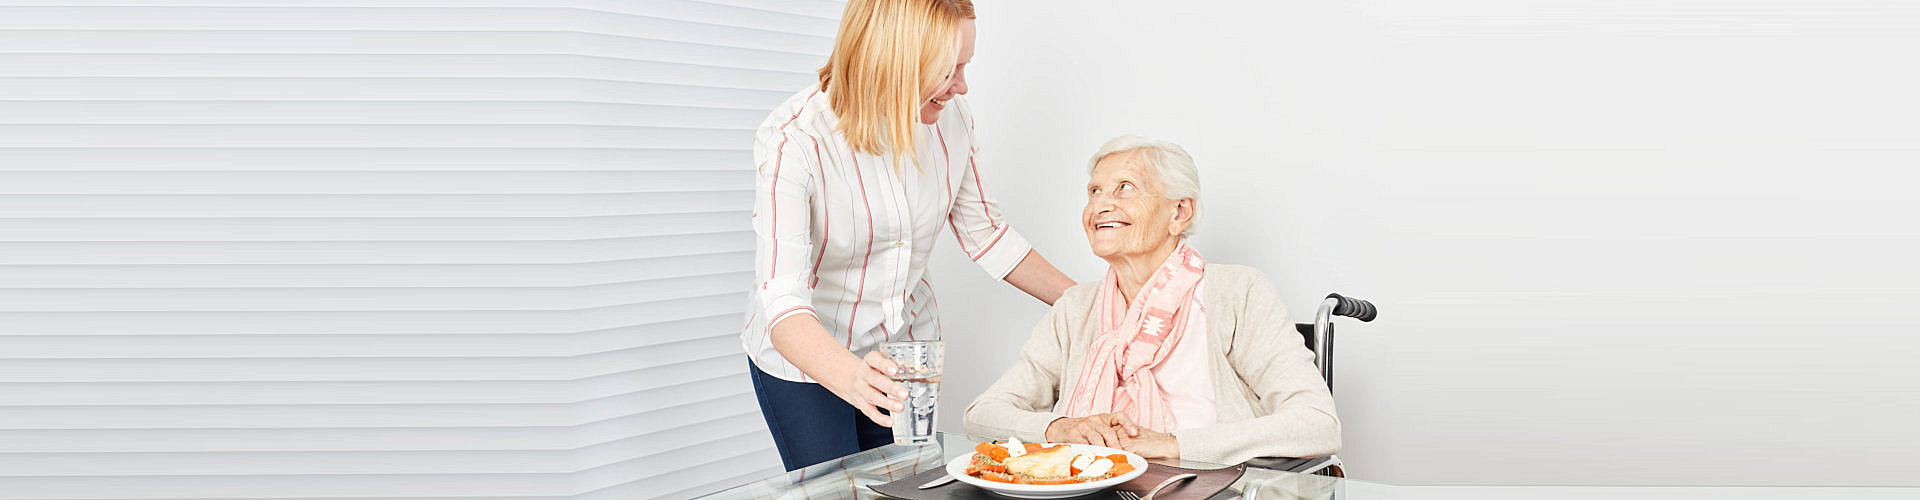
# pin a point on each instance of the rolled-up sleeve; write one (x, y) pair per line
(977, 222)
(783, 225)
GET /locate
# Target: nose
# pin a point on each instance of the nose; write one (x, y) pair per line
(1100, 204)
(959, 82)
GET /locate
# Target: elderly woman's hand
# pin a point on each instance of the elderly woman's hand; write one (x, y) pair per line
(1105, 429)
(1151, 444)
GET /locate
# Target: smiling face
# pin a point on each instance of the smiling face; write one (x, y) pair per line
(1128, 213)
(956, 84)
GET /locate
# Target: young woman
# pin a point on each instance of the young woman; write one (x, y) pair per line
(857, 177)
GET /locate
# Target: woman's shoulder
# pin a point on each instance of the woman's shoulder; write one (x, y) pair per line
(802, 112)
(803, 115)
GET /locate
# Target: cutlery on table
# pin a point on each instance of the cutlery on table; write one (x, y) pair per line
(944, 479)
(1128, 495)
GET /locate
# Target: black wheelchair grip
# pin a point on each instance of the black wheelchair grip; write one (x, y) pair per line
(1353, 308)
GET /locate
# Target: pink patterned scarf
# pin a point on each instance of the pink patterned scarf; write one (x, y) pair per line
(1134, 338)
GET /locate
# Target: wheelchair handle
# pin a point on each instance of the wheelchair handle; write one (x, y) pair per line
(1353, 308)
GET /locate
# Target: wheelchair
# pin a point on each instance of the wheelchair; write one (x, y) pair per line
(1319, 338)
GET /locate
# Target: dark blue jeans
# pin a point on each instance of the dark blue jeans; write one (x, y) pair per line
(811, 425)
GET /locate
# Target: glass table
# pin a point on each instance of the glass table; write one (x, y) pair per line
(849, 477)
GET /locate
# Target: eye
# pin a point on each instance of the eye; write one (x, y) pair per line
(1126, 186)
(1093, 191)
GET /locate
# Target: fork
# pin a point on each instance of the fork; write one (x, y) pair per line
(1128, 495)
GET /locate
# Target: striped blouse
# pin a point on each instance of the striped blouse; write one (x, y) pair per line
(841, 236)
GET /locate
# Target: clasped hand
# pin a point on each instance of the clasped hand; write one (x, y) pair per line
(1113, 430)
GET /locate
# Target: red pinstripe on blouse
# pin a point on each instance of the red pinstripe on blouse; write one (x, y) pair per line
(982, 189)
(826, 223)
(773, 200)
(862, 289)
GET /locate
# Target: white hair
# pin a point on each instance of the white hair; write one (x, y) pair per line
(1178, 175)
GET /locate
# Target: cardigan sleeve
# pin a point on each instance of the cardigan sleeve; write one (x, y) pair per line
(1294, 408)
(1020, 404)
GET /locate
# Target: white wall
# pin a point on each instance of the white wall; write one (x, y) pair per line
(1613, 242)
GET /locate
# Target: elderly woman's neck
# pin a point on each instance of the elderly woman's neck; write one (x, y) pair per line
(1133, 271)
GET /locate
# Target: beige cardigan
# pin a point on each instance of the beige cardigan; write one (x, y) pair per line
(1268, 395)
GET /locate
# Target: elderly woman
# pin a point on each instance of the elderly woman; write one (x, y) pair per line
(1168, 356)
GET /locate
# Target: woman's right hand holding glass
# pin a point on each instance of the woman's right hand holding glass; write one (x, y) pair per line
(866, 383)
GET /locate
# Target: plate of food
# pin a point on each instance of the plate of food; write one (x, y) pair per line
(1045, 470)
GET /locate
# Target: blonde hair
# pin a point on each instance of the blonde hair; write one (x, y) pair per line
(888, 56)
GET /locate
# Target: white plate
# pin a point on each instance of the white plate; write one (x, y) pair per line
(958, 469)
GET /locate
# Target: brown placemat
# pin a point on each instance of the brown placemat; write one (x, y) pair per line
(1206, 486)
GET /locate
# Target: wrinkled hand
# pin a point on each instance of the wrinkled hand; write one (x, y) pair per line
(866, 385)
(1151, 444)
(1106, 429)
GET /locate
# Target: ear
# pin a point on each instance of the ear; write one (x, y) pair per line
(1182, 216)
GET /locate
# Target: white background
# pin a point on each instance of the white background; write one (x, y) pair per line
(1613, 242)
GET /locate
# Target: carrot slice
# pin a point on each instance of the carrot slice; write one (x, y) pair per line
(1120, 469)
(1032, 447)
(1117, 458)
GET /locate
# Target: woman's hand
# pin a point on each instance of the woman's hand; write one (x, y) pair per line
(1151, 444)
(866, 384)
(863, 383)
(1106, 429)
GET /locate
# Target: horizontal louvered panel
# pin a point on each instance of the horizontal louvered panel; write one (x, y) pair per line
(733, 401)
(719, 397)
(372, 462)
(369, 299)
(360, 369)
(107, 345)
(370, 229)
(376, 182)
(411, 249)
(438, 135)
(286, 276)
(368, 206)
(650, 389)
(364, 159)
(697, 24)
(135, 64)
(532, 449)
(308, 42)
(361, 252)
(733, 451)
(817, 24)
(383, 112)
(350, 88)
(368, 322)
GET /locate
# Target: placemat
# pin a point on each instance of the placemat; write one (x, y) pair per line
(1209, 483)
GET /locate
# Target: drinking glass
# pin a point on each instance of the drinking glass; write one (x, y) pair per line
(919, 362)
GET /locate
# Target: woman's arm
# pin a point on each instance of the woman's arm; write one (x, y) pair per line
(1297, 417)
(863, 383)
(783, 207)
(1039, 278)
